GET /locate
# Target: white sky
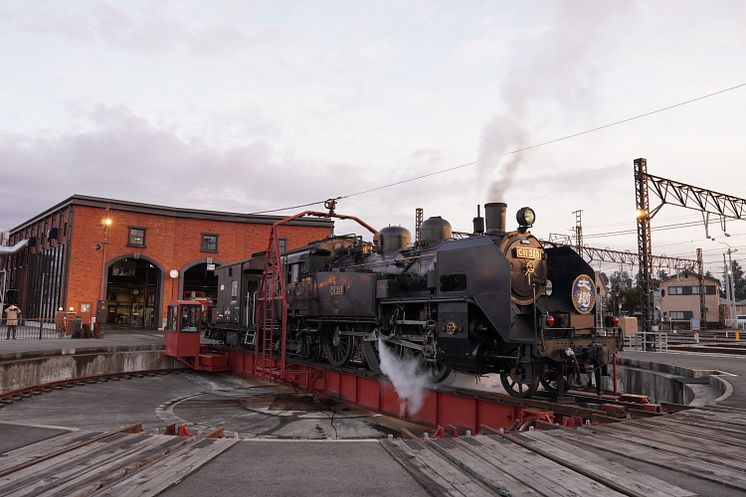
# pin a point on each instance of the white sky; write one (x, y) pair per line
(246, 106)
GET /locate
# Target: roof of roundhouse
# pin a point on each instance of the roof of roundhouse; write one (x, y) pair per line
(162, 210)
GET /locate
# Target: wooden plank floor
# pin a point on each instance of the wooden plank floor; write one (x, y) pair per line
(120, 464)
(697, 452)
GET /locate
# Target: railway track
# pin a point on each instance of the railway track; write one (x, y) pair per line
(11, 396)
(123, 462)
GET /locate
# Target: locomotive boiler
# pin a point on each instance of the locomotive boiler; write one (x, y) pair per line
(492, 301)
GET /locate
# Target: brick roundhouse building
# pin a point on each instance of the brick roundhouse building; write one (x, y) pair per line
(136, 256)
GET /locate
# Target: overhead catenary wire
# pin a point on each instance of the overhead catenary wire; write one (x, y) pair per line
(513, 152)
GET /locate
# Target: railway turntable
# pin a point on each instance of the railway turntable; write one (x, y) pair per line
(692, 452)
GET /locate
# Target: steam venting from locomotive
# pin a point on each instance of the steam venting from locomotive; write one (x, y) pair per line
(407, 377)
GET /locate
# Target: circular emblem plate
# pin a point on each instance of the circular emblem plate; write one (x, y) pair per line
(583, 294)
(451, 328)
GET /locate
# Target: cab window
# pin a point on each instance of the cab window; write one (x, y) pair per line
(190, 316)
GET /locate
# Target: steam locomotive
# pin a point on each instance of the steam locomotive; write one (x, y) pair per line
(490, 301)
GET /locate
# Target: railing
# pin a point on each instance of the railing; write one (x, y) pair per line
(738, 324)
(647, 340)
(29, 329)
(662, 341)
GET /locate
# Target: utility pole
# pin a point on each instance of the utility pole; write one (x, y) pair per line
(644, 249)
(728, 280)
(419, 214)
(702, 301)
(578, 230)
(732, 285)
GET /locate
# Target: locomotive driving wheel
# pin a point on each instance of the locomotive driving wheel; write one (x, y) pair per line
(434, 370)
(549, 380)
(370, 355)
(339, 347)
(437, 372)
(518, 383)
(311, 349)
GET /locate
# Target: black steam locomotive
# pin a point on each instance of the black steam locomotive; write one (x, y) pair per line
(487, 302)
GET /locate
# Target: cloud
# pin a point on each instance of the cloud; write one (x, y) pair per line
(125, 156)
(148, 30)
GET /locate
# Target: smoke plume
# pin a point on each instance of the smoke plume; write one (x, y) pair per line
(552, 75)
(408, 378)
(501, 135)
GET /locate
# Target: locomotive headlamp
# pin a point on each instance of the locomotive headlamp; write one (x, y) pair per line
(525, 217)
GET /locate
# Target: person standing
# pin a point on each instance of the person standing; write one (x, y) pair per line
(13, 314)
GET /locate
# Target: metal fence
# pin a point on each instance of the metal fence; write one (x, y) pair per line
(647, 340)
(662, 341)
(738, 324)
(29, 329)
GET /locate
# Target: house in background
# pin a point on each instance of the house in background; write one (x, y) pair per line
(680, 300)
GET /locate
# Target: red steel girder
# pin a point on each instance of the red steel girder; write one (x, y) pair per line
(459, 411)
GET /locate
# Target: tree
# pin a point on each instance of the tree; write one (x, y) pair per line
(623, 295)
(631, 300)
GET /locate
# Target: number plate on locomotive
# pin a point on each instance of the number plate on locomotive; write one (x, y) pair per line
(527, 253)
(336, 290)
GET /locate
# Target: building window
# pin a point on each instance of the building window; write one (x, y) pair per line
(136, 237)
(681, 314)
(709, 290)
(209, 242)
(676, 290)
(283, 245)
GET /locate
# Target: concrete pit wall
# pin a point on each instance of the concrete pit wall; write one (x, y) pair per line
(26, 369)
(670, 384)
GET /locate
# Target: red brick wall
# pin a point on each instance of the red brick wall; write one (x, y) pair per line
(171, 243)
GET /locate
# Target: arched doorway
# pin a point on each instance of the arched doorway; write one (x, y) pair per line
(132, 293)
(200, 282)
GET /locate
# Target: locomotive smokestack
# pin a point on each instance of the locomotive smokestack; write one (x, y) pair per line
(494, 216)
(478, 222)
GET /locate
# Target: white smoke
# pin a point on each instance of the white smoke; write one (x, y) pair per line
(501, 134)
(408, 378)
(553, 72)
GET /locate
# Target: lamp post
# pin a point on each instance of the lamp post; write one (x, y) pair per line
(106, 222)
